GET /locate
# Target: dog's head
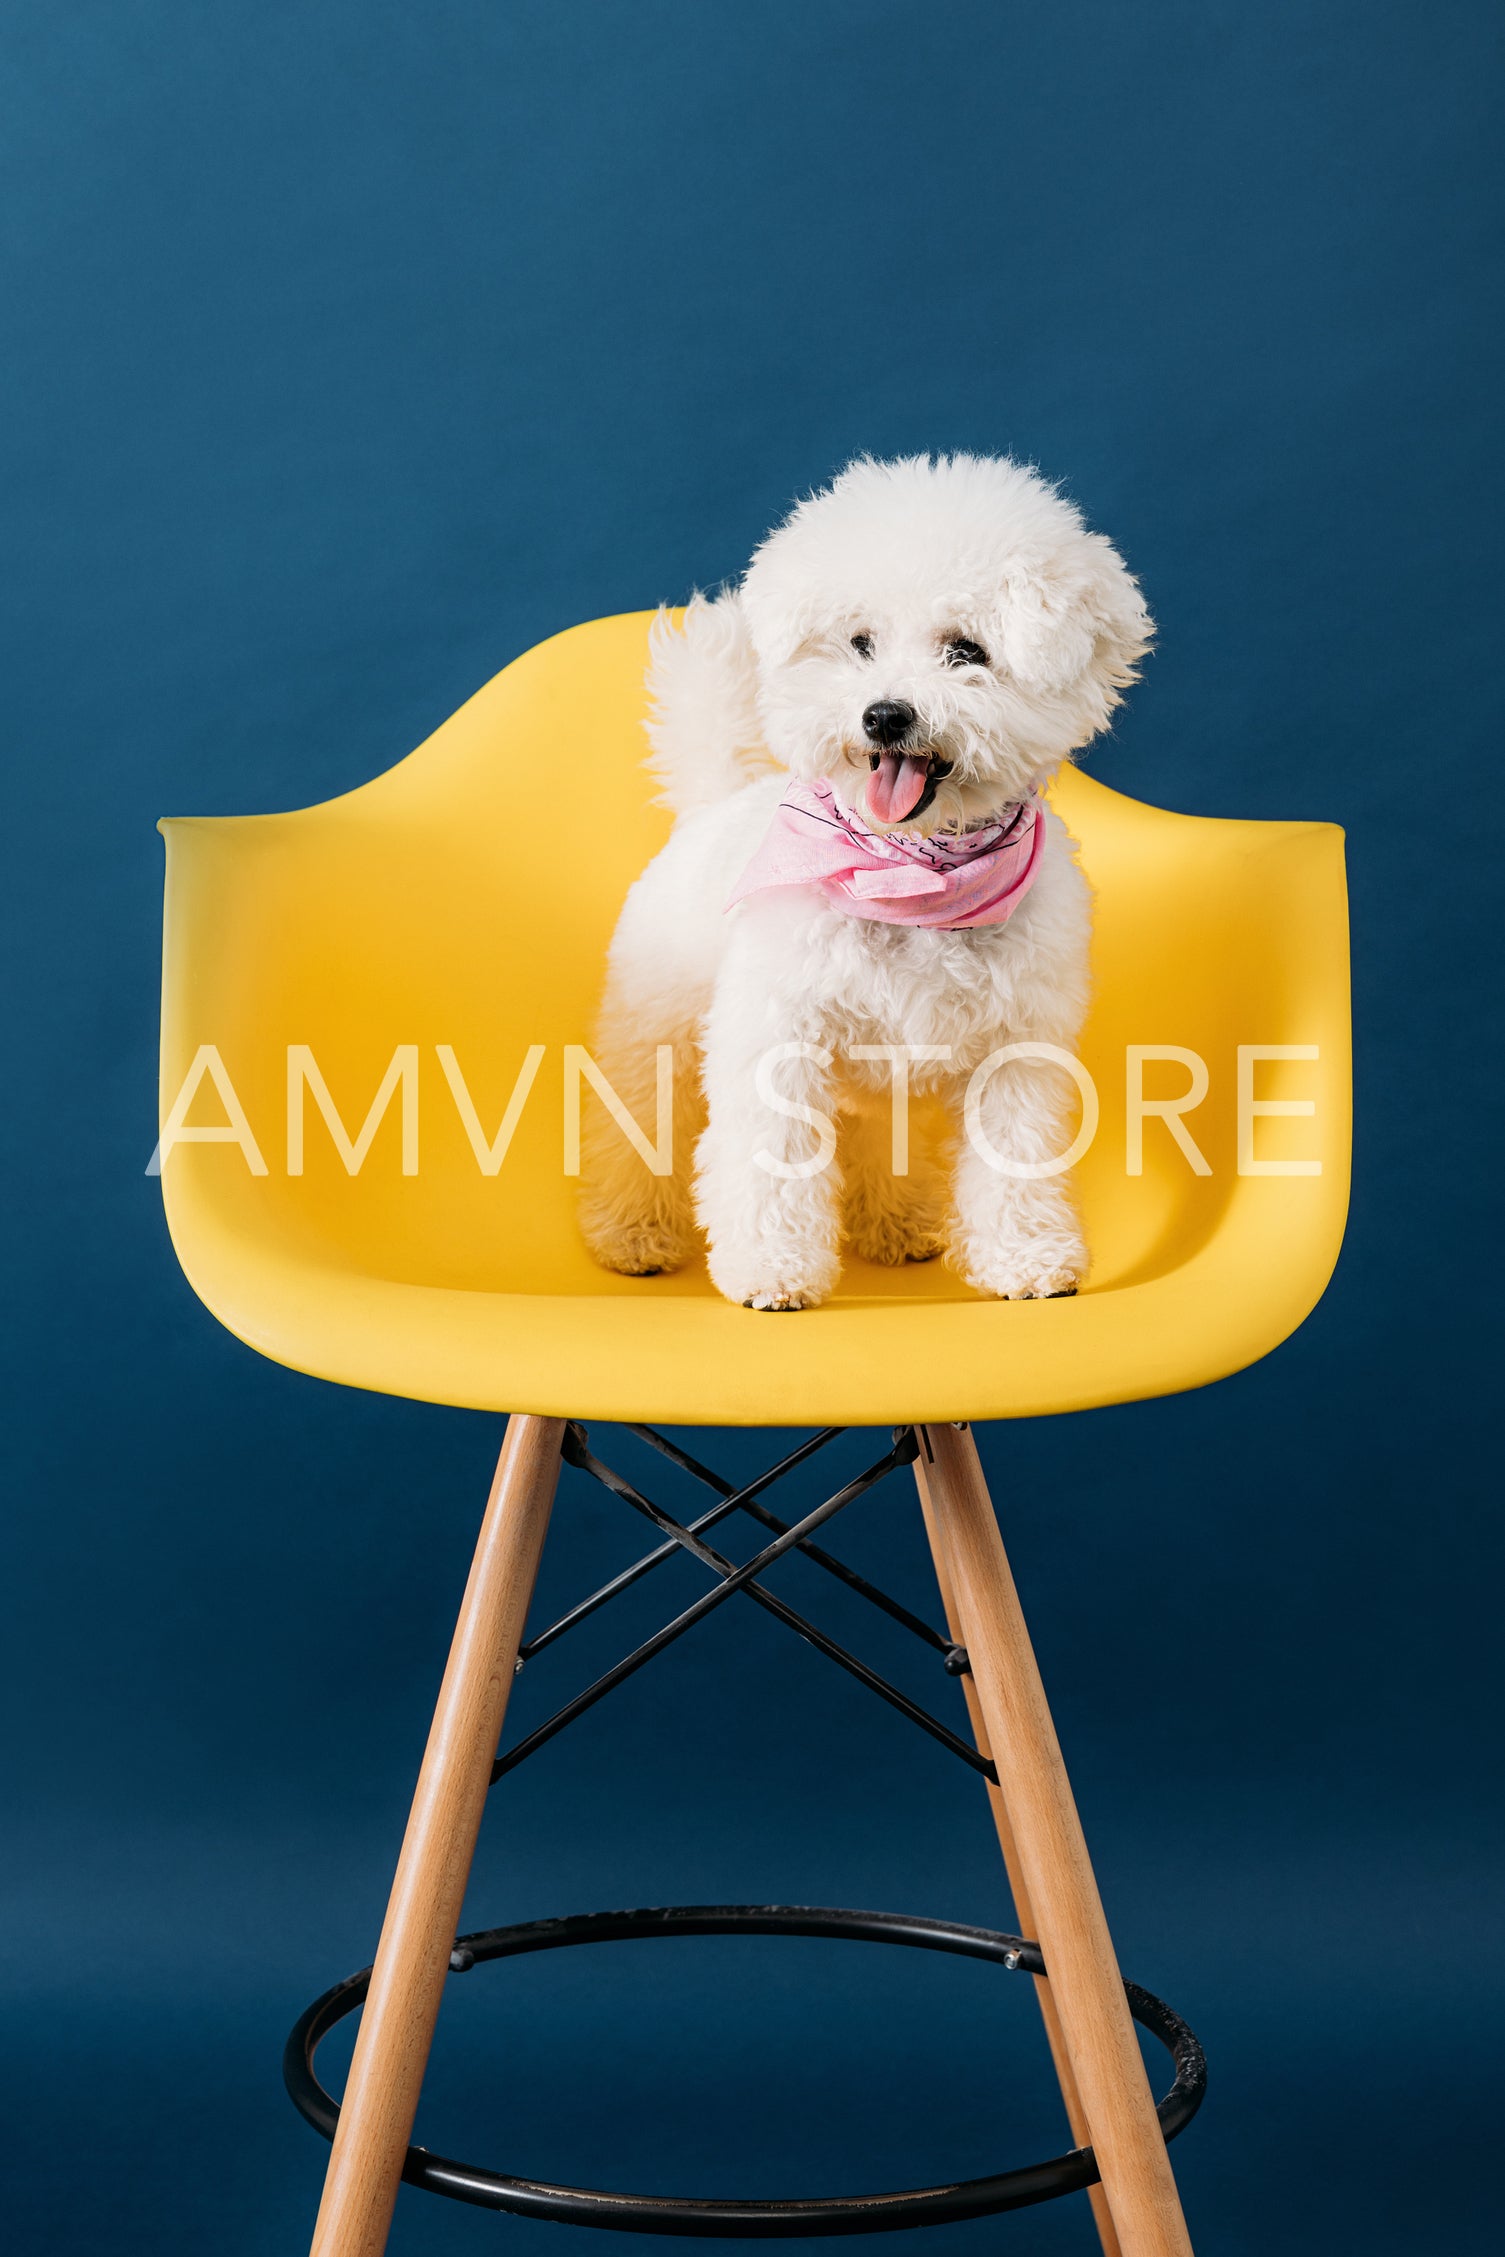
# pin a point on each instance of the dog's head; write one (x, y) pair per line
(934, 637)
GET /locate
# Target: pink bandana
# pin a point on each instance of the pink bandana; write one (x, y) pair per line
(952, 880)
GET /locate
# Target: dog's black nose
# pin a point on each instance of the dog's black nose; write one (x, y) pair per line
(888, 722)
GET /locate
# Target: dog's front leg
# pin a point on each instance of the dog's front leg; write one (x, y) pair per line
(767, 1188)
(1017, 1236)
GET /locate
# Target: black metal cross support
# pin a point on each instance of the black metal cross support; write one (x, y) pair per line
(732, 1579)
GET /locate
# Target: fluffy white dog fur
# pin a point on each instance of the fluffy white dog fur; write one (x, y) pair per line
(877, 588)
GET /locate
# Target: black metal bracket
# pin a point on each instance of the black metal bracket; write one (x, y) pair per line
(764, 2220)
(732, 1579)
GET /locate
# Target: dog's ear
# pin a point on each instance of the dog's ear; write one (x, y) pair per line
(1083, 617)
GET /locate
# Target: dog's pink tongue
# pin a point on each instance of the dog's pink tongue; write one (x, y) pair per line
(896, 786)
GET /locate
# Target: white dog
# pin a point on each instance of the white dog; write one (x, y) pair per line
(853, 741)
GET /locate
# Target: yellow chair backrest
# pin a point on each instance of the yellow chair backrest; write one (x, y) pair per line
(459, 907)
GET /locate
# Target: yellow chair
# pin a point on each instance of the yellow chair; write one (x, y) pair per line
(362, 999)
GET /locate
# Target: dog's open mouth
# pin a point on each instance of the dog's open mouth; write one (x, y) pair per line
(903, 784)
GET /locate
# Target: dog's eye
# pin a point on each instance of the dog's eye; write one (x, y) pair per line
(961, 651)
(863, 645)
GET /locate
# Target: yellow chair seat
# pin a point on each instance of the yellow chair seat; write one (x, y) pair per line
(466, 898)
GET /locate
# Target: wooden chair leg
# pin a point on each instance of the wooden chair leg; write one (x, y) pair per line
(1059, 1902)
(1018, 1889)
(423, 1911)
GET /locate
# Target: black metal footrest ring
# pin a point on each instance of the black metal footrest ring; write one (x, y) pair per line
(762, 2220)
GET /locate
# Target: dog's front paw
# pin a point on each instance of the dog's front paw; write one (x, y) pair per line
(1026, 1280)
(767, 1279)
(782, 1297)
(1043, 1269)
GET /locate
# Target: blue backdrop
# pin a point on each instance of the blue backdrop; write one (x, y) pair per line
(349, 350)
